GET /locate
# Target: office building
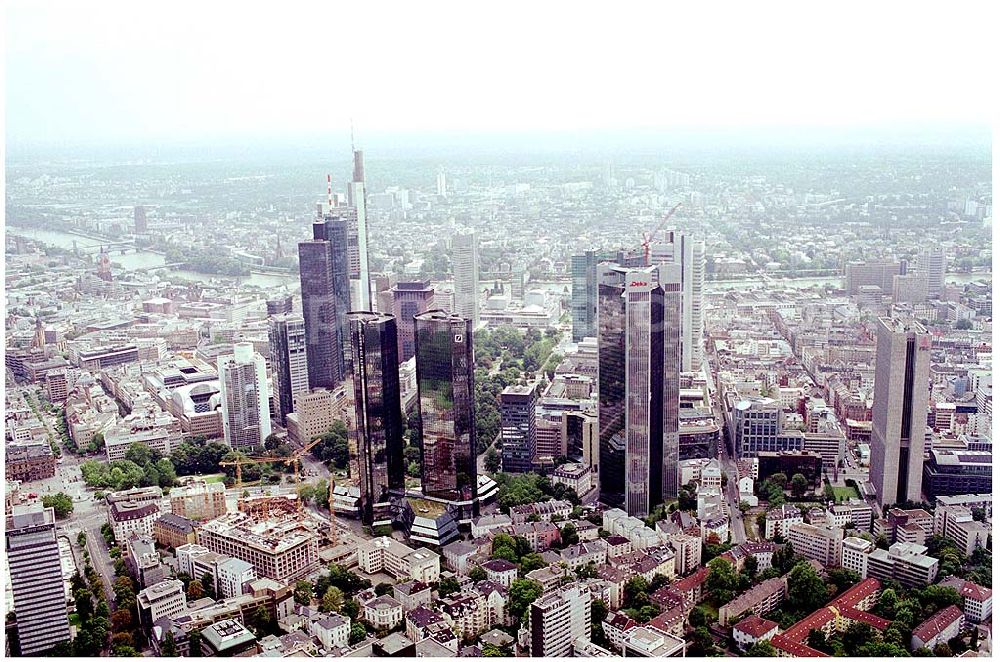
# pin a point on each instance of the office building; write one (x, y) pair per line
(409, 299)
(899, 411)
(873, 273)
(36, 579)
(819, 543)
(465, 265)
(637, 407)
(139, 214)
(317, 410)
(282, 549)
(517, 428)
(688, 254)
(557, 619)
(29, 461)
(583, 306)
(953, 472)
(358, 241)
(957, 524)
(163, 599)
(854, 553)
(906, 563)
(932, 265)
(289, 363)
(445, 406)
(326, 298)
(246, 415)
(279, 306)
(379, 418)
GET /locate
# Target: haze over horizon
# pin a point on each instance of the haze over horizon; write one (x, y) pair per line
(125, 74)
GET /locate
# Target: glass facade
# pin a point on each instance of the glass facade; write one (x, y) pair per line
(445, 405)
(326, 298)
(378, 412)
(611, 383)
(289, 362)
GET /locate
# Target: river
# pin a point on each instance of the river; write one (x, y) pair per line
(136, 260)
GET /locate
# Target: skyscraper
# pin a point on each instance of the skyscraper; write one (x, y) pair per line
(442, 184)
(357, 198)
(517, 428)
(246, 419)
(326, 298)
(36, 579)
(445, 405)
(931, 263)
(378, 411)
(410, 298)
(583, 306)
(899, 411)
(289, 361)
(465, 264)
(141, 226)
(670, 277)
(689, 254)
(638, 385)
(557, 619)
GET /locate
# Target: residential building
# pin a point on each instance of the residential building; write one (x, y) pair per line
(778, 520)
(246, 417)
(384, 612)
(289, 361)
(944, 625)
(763, 598)
(557, 619)
(36, 580)
(333, 631)
(378, 414)
(752, 629)
(903, 562)
(517, 428)
(160, 600)
(819, 543)
(977, 601)
(385, 554)
(143, 561)
(899, 412)
(854, 554)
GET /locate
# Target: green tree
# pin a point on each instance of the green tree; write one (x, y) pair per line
(806, 589)
(195, 590)
(762, 649)
(722, 581)
(447, 586)
(477, 574)
(194, 643)
(492, 460)
(522, 593)
(303, 592)
(569, 535)
(169, 647)
(531, 562)
(333, 600)
(799, 485)
(358, 634)
(636, 592)
(60, 502)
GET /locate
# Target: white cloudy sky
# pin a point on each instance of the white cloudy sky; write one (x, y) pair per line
(182, 69)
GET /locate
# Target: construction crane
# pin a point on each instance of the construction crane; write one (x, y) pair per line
(294, 460)
(647, 237)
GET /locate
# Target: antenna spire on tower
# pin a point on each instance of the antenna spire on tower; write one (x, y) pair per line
(352, 135)
(329, 191)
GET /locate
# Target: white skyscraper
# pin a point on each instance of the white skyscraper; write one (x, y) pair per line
(465, 264)
(442, 186)
(557, 619)
(246, 419)
(689, 253)
(357, 199)
(931, 263)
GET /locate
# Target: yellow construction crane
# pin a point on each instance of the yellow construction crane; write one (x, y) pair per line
(294, 460)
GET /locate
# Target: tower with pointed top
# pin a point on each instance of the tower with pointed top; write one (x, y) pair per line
(104, 266)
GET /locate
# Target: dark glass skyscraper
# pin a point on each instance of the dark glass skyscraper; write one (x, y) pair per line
(517, 428)
(289, 361)
(326, 299)
(583, 306)
(445, 406)
(638, 385)
(378, 411)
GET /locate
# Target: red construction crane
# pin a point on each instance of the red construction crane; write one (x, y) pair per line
(647, 237)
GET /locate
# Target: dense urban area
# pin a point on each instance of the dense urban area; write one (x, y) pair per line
(536, 405)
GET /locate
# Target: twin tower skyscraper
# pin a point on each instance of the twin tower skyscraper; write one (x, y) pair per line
(344, 338)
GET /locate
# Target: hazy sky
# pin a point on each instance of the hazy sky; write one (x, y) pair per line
(91, 71)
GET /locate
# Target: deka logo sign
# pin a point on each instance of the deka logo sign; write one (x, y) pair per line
(638, 283)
